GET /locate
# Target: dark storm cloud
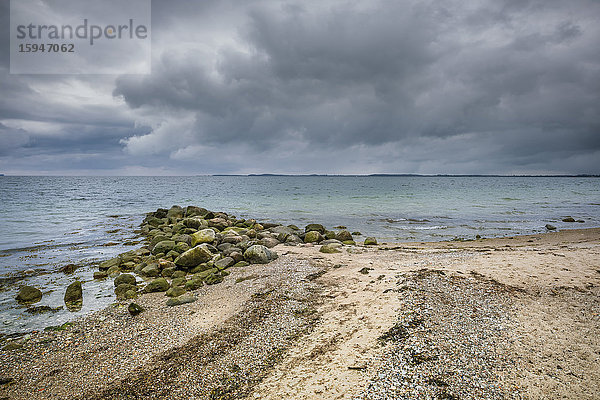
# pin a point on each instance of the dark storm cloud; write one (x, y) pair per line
(522, 74)
(336, 86)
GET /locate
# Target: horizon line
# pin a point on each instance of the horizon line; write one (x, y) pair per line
(340, 175)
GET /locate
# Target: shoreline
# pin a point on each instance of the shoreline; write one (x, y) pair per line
(479, 244)
(334, 327)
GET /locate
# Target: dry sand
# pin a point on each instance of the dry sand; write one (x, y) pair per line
(494, 318)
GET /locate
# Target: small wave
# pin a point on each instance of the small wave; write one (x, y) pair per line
(392, 221)
(423, 228)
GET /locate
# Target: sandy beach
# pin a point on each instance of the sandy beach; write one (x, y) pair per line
(510, 318)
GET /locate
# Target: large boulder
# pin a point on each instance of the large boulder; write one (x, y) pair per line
(343, 236)
(163, 247)
(152, 270)
(175, 212)
(194, 257)
(370, 241)
(74, 296)
(192, 211)
(157, 239)
(157, 285)
(269, 242)
(203, 236)
(195, 223)
(29, 295)
(123, 288)
(259, 254)
(313, 237)
(125, 278)
(315, 227)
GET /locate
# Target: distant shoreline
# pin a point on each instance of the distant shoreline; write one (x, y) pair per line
(419, 175)
(327, 175)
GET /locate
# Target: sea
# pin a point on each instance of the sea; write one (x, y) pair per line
(49, 222)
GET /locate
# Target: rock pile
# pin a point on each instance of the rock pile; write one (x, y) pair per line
(189, 247)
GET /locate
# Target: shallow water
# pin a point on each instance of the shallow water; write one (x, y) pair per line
(48, 222)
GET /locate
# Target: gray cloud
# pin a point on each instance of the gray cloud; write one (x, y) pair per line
(337, 87)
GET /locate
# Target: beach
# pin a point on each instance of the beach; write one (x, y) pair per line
(514, 317)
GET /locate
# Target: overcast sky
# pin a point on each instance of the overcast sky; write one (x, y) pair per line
(327, 86)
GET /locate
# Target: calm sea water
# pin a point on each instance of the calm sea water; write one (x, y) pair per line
(48, 222)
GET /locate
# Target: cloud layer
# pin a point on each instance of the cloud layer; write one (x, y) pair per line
(327, 87)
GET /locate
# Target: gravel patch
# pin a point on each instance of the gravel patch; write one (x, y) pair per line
(450, 341)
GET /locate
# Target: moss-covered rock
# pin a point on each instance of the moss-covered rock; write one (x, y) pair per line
(329, 235)
(175, 291)
(122, 289)
(293, 239)
(74, 296)
(135, 309)
(125, 278)
(200, 268)
(178, 274)
(196, 222)
(213, 279)
(370, 241)
(194, 284)
(258, 254)
(195, 256)
(343, 236)
(151, 270)
(240, 264)
(313, 237)
(113, 262)
(330, 248)
(163, 247)
(29, 295)
(175, 213)
(100, 275)
(315, 227)
(113, 271)
(157, 285)
(204, 274)
(178, 281)
(157, 239)
(203, 236)
(181, 247)
(177, 301)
